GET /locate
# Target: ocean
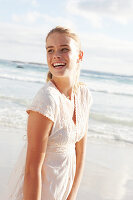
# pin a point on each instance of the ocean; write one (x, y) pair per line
(111, 115)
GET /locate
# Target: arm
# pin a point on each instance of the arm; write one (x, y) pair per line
(80, 157)
(38, 130)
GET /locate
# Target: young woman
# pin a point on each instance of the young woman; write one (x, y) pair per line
(51, 163)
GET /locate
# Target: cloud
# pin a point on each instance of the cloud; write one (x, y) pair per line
(106, 53)
(22, 43)
(101, 52)
(30, 17)
(26, 42)
(96, 11)
(34, 3)
(35, 17)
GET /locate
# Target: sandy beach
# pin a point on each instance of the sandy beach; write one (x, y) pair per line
(108, 173)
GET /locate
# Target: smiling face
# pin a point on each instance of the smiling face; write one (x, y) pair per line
(62, 55)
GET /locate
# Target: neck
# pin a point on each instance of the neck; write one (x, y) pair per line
(64, 85)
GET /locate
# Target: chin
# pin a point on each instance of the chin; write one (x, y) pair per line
(61, 74)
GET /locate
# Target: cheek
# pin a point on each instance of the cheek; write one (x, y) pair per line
(66, 56)
(48, 58)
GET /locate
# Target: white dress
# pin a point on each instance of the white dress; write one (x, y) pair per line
(59, 165)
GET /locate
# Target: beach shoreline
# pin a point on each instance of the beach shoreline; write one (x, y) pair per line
(107, 172)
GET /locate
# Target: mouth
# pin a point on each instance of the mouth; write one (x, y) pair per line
(59, 65)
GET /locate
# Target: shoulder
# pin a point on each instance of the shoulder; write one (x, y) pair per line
(47, 93)
(44, 99)
(44, 102)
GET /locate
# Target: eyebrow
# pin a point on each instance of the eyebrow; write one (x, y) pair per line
(60, 46)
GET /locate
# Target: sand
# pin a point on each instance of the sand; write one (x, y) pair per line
(108, 171)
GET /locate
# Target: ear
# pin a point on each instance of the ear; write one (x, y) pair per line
(80, 56)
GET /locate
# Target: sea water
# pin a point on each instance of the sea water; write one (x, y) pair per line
(111, 115)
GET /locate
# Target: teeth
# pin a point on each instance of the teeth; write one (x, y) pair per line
(57, 64)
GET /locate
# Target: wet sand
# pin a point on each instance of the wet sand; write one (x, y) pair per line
(108, 171)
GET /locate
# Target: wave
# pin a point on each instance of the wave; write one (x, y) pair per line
(15, 118)
(106, 74)
(20, 101)
(111, 119)
(21, 78)
(102, 82)
(96, 73)
(113, 92)
(92, 86)
(97, 117)
(93, 134)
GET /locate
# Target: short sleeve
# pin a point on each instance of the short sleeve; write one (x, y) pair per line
(43, 103)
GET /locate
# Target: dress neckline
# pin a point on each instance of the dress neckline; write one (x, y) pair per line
(62, 94)
(73, 98)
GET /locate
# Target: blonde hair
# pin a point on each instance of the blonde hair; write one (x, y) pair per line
(69, 33)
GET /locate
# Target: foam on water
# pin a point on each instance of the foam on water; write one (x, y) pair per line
(110, 118)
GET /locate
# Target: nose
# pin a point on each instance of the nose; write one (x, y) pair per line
(56, 55)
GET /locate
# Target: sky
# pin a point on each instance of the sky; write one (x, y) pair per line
(105, 28)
